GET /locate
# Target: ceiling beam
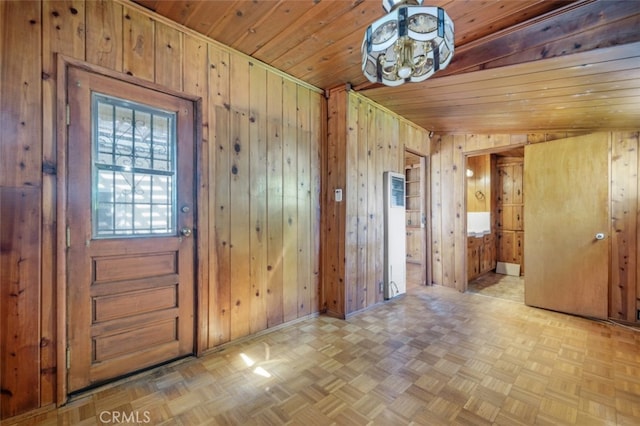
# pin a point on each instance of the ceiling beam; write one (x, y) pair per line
(578, 27)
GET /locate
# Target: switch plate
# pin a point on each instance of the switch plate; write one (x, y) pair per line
(338, 195)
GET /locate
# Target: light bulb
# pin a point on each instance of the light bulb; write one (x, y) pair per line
(405, 58)
(404, 71)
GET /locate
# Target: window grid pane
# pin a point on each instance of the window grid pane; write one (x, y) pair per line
(134, 174)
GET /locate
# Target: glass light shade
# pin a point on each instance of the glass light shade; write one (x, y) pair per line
(409, 44)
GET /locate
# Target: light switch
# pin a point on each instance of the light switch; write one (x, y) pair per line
(338, 195)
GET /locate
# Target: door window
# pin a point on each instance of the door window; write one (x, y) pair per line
(133, 169)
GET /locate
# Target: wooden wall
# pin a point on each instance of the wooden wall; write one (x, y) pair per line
(258, 191)
(479, 185)
(448, 198)
(364, 141)
(624, 290)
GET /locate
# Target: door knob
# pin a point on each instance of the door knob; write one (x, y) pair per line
(600, 236)
(186, 231)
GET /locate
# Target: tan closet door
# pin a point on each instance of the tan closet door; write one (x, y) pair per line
(566, 206)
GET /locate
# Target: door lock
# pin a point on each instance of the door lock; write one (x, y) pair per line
(186, 231)
(600, 236)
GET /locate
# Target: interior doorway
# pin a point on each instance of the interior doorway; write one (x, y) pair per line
(416, 175)
(495, 224)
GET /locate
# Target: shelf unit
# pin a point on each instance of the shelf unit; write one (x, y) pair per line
(413, 211)
(510, 208)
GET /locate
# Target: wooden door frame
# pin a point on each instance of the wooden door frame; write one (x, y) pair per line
(465, 157)
(425, 166)
(200, 211)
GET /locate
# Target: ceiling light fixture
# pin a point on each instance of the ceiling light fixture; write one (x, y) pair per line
(408, 44)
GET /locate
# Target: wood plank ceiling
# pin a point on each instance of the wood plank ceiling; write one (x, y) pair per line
(526, 65)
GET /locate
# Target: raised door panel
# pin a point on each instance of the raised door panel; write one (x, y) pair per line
(517, 189)
(487, 254)
(517, 217)
(506, 243)
(473, 257)
(506, 216)
(505, 182)
(519, 250)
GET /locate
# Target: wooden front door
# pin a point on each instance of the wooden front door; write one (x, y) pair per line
(130, 211)
(567, 204)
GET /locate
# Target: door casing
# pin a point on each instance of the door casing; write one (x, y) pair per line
(64, 63)
(425, 203)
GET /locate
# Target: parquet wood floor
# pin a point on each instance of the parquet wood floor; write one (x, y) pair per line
(498, 285)
(432, 357)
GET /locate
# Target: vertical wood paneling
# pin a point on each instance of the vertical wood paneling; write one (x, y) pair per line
(242, 194)
(239, 201)
(416, 139)
(104, 34)
(448, 212)
(63, 24)
(138, 44)
(258, 119)
(624, 208)
(318, 108)
(396, 148)
(436, 209)
(290, 196)
(21, 139)
(372, 285)
(219, 178)
(20, 297)
(480, 181)
(351, 271)
(364, 287)
(219, 194)
(168, 57)
(377, 213)
(459, 214)
(333, 277)
(482, 142)
(304, 201)
(20, 209)
(195, 82)
(275, 314)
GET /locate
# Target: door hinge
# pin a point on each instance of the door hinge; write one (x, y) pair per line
(68, 236)
(68, 357)
(68, 114)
